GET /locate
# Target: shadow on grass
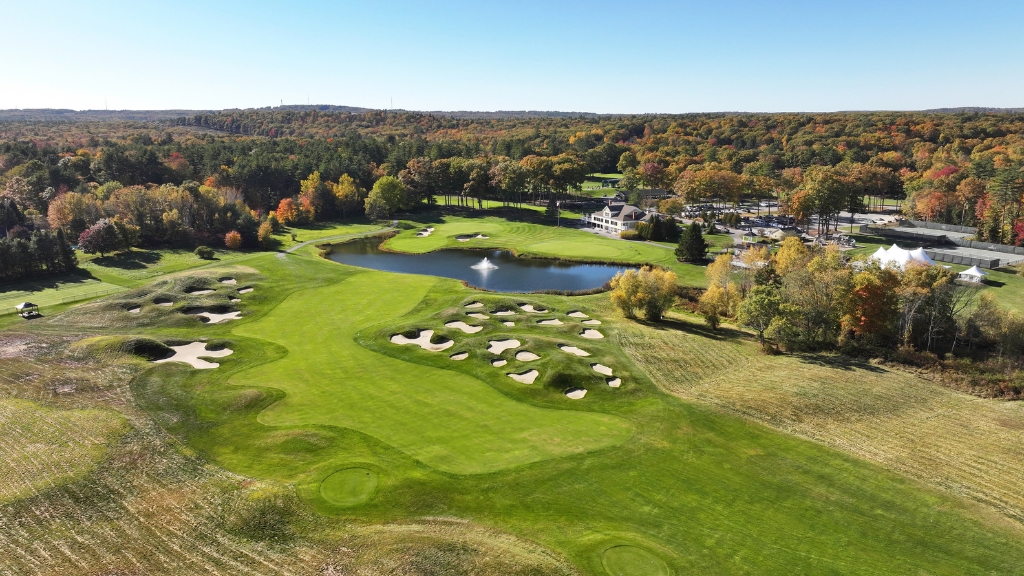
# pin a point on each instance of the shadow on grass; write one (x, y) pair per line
(55, 282)
(130, 259)
(696, 329)
(838, 362)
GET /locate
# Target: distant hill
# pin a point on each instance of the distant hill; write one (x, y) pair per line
(66, 115)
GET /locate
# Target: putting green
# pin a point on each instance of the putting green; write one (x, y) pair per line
(445, 419)
(349, 487)
(632, 561)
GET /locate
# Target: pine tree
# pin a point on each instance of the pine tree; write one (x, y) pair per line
(692, 246)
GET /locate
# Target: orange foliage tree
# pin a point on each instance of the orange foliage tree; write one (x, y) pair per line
(287, 211)
(233, 240)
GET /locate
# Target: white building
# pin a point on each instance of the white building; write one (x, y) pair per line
(616, 218)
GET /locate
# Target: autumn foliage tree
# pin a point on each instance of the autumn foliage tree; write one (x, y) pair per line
(233, 240)
(287, 212)
(648, 290)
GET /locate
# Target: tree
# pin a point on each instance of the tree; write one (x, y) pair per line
(759, 309)
(101, 237)
(265, 234)
(348, 196)
(287, 211)
(314, 198)
(233, 240)
(651, 290)
(793, 254)
(692, 246)
(386, 198)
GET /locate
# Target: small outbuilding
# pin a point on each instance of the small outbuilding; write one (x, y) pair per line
(972, 274)
(27, 309)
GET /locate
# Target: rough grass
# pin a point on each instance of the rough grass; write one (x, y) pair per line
(528, 239)
(963, 444)
(43, 447)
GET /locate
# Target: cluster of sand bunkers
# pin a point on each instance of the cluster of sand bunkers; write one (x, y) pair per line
(194, 352)
(425, 339)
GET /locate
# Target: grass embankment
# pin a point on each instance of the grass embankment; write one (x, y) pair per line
(538, 240)
(100, 276)
(702, 491)
(960, 443)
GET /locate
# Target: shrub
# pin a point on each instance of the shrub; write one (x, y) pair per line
(629, 235)
(233, 240)
(204, 252)
(652, 290)
(265, 234)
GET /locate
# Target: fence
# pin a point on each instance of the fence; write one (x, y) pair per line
(8, 306)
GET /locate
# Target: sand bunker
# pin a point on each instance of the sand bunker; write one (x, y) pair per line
(592, 334)
(552, 322)
(576, 393)
(212, 318)
(499, 363)
(423, 341)
(573, 350)
(464, 327)
(503, 313)
(234, 300)
(601, 369)
(425, 232)
(190, 353)
(199, 292)
(163, 302)
(592, 322)
(525, 377)
(614, 382)
(227, 280)
(135, 309)
(474, 305)
(245, 290)
(530, 308)
(525, 356)
(499, 346)
(478, 315)
(468, 237)
(459, 356)
(577, 314)
(509, 324)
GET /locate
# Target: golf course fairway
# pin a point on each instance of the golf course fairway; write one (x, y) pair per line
(447, 420)
(317, 396)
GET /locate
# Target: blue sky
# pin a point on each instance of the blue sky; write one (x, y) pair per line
(600, 56)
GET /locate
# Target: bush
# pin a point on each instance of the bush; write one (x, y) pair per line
(630, 235)
(233, 240)
(652, 290)
(204, 252)
(265, 234)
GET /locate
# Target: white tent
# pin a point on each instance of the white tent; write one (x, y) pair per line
(898, 257)
(972, 274)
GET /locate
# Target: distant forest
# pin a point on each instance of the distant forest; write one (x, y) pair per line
(187, 178)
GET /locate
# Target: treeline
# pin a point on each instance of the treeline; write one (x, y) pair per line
(27, 254)
(813, 299)
(962, 168)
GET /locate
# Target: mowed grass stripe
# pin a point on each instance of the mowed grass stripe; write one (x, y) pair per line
(449, 421)
(966, 445)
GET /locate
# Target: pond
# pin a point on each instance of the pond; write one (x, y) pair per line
(496, 270)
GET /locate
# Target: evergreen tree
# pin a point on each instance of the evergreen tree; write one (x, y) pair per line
(692, 246)
(67, 256)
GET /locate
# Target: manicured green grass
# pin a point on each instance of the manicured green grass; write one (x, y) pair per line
(528, 239)
(349, 486)
(702, 491)
(632, 561)
(449, 421)
(53, 291)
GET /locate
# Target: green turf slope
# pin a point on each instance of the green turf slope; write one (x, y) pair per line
(313, 388)
(449, 421)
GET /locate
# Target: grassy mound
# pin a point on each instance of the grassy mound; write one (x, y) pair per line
(632, 561)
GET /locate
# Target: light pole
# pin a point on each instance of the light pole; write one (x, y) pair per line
(558, 214)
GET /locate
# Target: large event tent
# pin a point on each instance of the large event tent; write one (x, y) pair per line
(899, 257)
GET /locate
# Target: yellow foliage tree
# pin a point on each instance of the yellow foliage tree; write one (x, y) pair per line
(652, 290)
(793, 254)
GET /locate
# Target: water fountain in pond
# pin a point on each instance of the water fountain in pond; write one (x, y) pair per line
(484, 264)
